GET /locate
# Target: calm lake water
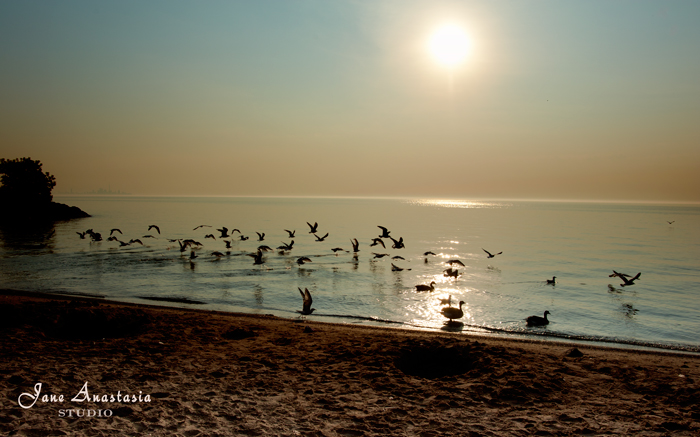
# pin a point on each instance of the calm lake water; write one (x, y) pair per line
(579, 243)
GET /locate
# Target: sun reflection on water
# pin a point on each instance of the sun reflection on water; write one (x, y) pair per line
(451, 203)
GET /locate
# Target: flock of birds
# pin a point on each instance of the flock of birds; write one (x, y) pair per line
(227, 236)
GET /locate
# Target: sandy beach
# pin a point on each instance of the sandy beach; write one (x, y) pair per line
(77, 366)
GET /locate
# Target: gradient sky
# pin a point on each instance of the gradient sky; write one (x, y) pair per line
(589, 100)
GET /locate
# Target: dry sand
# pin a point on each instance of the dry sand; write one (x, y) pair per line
(212, 374)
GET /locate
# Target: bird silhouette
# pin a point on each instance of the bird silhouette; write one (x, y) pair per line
(321, 238)
(537, 320)
(81, 235)
(261, 237)
(379, 255)
(385, 232)
(447, 301)
(355, 245)
(423, 287)
(377, 241)
(154, 227)
(489, 253)
(257, 257)
(210, 236)
(112, 231)
(201, 226)
(224, 232)
(455, 261)
(286, 246)
(307, 301)
(552, 281)
(453, 313)
(451, 272)
(398, 244)
(291, 233)
(302, 260)
(626, 281)
(314, 227)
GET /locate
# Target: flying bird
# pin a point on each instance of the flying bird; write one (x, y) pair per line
(135, 240)
(671, 222)
(321, 238)
(224, 232)
(303, 260)
(453, 313)
(201, 226)
(377, 241)
(455, 261)
(261, 237)
(355, 245)
(257, 257)
(81, 235)
(398, 244)
(306, 308)
(154, 227)
(537, 320)
(286, 246)
(379, 255)
(291, 233)
(385, 232)
(314, 227)
(210, 236)
(629, 281)
(489, 253)
(337, 249)
(115, 230)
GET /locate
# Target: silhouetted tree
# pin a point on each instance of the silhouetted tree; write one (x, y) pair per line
(24, 183)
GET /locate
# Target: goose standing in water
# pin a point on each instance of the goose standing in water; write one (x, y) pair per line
(423, 287)
(453, 313)
(552, 281)
(537, 320)
(306, 308)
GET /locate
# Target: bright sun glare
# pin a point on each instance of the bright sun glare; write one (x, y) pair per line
(449, 45)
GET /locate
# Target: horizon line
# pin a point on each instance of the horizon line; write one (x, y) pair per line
(380, 197)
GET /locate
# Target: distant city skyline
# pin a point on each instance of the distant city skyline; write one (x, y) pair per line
(573, 100)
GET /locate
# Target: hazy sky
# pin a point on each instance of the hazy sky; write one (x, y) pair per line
(560, 100)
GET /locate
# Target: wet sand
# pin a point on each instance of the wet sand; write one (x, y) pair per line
(197, 373)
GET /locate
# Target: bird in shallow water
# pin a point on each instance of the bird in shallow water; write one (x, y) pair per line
(537, 320)
(629, 281)
(451, 272)
(257, 257)
(286, 246)
(303, 260)
(447, 301)
(552, 281)
(489, 253)
(453, 313)
(395, 268)
(306, 308)
(81, 235)
(379, 255)
(423, 287)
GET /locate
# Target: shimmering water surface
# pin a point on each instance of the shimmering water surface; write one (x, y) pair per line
(579, 243)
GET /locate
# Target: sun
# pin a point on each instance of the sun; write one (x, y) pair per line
(449, 45)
